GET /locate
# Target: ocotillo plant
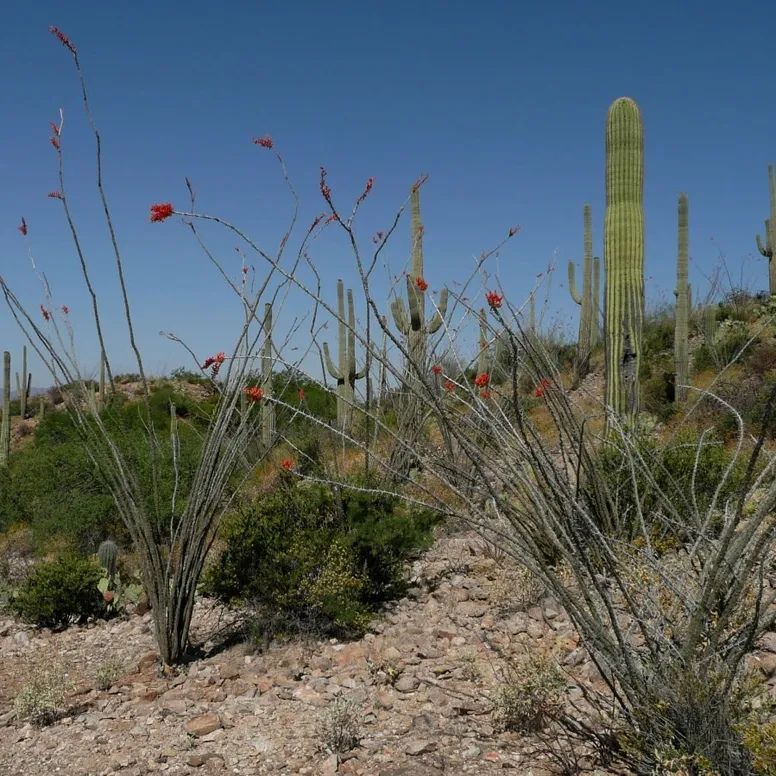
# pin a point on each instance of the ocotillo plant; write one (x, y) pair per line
(682, 317)
(624, 255)
(268, 408)
(23, 385)
(5, 429)
(345, 374)
(584, 299)
(768, 246)
(412, 324)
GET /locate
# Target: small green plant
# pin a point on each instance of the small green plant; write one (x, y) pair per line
(59, 592)
(384, 671)
(107, 673)
(339, 726)
(531, 695)
(42, 700)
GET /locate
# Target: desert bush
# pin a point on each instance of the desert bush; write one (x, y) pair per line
(59, 592)
(339, 726)
(108, 672)
(42, 700)
(318, 552)
(531, 694)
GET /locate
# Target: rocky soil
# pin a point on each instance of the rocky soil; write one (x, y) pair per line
(422, 683)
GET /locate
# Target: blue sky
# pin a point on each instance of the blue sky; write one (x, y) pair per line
(501, 103)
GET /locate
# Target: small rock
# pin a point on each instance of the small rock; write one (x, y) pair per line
(418, 747)
(407, 684)
(202, 725)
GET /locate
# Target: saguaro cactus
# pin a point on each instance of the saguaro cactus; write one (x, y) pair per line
(682, 317)
(267, 407)
(413, 324)
(345, 373)
(23, 385)
(624, 255)
(5, 429)
(585, 300)
(767, 246)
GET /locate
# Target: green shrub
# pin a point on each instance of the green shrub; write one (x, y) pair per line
(314, 553)
(59, 592)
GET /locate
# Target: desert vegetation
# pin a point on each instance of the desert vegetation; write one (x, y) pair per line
(629, 476)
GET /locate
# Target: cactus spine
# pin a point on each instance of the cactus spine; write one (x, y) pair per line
(584, 299)
(5, 429)
(412, 324)
(682, 317)
(624, 255)
(345, 374)
(23, 385)
(768, 246)
(268, 408)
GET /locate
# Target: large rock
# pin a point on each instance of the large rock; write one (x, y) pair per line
(202, 725)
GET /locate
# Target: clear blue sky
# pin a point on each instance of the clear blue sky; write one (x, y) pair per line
(502, 103)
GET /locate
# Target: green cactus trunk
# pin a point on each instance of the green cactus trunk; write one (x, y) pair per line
(108, 556)
(412, 323)
(345, 373)
(767, 246)
(23, 385)
(624, 255)
(682, 317)
(584, 300)
(267, 407)
(5, 429)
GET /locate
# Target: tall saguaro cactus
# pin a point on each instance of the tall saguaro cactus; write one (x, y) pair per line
(5, 429)
(345, 373)
(412, 323)
(682, 317)
(23, 385)
(267, 407)
(768, 246)
(584, 299)
(624, 255)
(595, 322)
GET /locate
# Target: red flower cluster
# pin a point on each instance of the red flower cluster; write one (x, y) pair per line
(55, 129)
(55, 141)
(45, 313)
(482, 380)
(214, 362)
(54, 195)
(485, 395)
(288, 464)
(544, 384)
(370, 182)
(264, 142)
(65, 309)
(513, 230)
(449, 386)
(325, 190)
(494, 299)
(301, 394)
(421, 283)
(161, 211)
(23, 227)
(378, 237)
(436, 369)
(254, 393)
(63, 39)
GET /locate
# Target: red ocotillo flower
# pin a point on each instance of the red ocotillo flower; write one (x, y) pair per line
(301, 394)
(23, 227)
(55, 142)
(288, 464)
(370, 182)
(513, 230)
(544, 384)
(161, 210)
(63, 39)
(494, 299)
(264, 142)
(254, 393)
(325, 190)
(485, 395)
(55, 129)
(378, 237)
(65, 309)
(45, 313)
(449, 386)
(482, 380)
(54, 195)
(436, 369)
(421, 283)
(214, 362)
